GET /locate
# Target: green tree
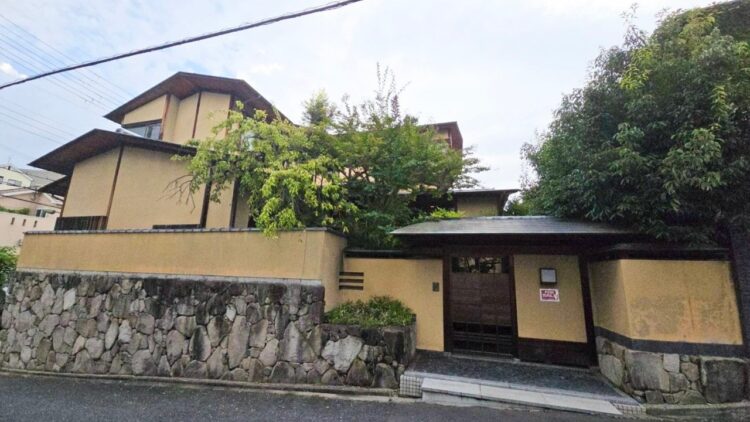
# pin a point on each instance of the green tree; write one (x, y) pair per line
(357, 170)
(658, 139)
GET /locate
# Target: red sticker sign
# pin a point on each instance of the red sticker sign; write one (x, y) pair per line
(549, 295)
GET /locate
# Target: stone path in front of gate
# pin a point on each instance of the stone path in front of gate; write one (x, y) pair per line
(440, 378)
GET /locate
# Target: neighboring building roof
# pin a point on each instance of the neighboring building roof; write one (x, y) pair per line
(184, 84)
(510, 225)
(97, 141)
(41, 178)
(455, 139)
(482, 192)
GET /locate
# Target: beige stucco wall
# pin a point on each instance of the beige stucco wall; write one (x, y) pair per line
(143, 196)
(213, 110)
(170, 118)
(410, 281)
(305, 254)
(153, 110)
(91, 185)
(666, 300)
(220, 213)
(242, 214)
(13, 226)
(185, 116)
(562, 320)
(477, 206)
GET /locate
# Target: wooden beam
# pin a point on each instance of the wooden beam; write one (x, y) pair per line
(114, 182)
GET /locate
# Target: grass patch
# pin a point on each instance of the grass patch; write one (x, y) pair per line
(379, 311)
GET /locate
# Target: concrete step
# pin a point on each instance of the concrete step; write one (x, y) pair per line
(444, 391)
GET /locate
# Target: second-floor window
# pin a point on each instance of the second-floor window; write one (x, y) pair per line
(150, 130)
(13, 182)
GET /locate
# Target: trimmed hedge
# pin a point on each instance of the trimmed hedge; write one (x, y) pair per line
(379, 311)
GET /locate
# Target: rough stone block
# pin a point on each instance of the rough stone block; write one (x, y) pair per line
(646, 371)
(723, 380)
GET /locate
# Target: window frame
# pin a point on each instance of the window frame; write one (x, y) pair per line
(149, 124)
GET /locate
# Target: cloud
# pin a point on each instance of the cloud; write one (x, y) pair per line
(9, 70)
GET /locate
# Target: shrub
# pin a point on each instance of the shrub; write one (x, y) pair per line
(7, 265)
(379, 311)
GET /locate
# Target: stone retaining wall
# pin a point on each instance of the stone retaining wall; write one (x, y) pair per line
(181, 326)
(673, 378)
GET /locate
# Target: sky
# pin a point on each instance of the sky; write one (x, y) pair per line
(498, 68)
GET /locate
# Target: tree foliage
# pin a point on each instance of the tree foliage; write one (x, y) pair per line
(355, 168)
(658, 139)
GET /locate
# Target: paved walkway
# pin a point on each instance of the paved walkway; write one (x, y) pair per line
(37, 398)
(444, 379)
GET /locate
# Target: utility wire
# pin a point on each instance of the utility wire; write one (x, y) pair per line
(243, 27)
(23, 129)
(13, 150)
(33, 125)
(63, 84)
(29, 51)
(123, 93)
(48, 127)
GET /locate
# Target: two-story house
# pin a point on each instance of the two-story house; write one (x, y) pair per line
(128, 180)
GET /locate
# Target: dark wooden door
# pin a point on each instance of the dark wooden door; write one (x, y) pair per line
(480, 305)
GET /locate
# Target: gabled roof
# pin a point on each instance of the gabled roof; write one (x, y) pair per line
(95, 142)
(510, 226)
(184, 84)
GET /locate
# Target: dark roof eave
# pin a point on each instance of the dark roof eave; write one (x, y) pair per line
(97, 141)
(196, 82)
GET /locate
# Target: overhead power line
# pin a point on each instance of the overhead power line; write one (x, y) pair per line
(243, 27)
(65, 56)
(38, 57)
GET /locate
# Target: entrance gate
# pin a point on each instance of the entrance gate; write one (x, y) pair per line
(480, 306)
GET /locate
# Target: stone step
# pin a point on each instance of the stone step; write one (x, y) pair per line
(464, 393)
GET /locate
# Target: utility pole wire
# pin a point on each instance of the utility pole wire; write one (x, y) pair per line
(293, 15)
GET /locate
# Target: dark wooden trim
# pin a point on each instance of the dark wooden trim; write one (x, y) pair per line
(235, 196)
(588, 313)
(175, 226)
(351, 280)
(345, 287)
(554, 352)
(351, 273)
(143, 123)
(204, 208)
(447, 330)
(164, 115)
(197, 110)
(740, 269)
(114, 183)
(513, 304)
(679, 347)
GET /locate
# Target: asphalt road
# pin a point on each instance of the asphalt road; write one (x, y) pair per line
(38, 398)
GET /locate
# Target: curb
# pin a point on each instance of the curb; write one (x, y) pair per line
(268, 387)
(724, 411)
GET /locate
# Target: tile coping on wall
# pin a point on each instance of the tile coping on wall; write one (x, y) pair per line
(214, 230)
(177, 277)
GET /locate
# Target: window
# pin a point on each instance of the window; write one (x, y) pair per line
(491, 265)
(1, 179)
(13, 182)
(150, 130)
(42, 213)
